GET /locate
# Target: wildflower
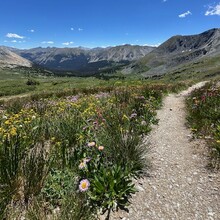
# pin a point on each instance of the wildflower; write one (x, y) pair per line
(82, 165)
(84, 185)
(133, 115)
(13, 131)
(7, 122)
(124, 117)
(218, 141)
(203, 98)
(91, 144)
(86, 160)
(95, 123)
(101, 148)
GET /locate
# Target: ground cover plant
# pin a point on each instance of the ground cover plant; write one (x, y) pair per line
(204, 117)
(71, 157)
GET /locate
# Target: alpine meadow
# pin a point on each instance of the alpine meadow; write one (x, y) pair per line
(109, 110)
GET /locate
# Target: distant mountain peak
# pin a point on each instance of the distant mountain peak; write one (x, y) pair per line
(181, 49)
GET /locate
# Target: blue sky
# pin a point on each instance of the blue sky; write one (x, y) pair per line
(101, 23)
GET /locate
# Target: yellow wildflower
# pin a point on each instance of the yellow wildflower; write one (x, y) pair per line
(13, 131)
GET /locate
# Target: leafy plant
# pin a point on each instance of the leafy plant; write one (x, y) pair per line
(58, 184)
(111, 187)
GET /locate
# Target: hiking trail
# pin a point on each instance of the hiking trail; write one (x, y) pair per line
(179, 185)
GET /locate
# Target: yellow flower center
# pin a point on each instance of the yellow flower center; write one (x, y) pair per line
(84, 185)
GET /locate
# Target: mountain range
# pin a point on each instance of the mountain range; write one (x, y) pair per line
(129, 59)
(83, 60)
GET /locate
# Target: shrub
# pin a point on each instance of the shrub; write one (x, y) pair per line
(32, 82)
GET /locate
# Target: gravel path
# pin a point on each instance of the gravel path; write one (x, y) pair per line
(180, 186)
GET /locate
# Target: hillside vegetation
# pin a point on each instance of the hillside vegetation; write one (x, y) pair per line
(204, 117)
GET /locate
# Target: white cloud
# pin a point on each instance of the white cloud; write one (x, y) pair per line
(80, 29)
(5, 41)
(152, 45)
(213, 10)
(14, 41)
(164, 0)
(185, 14)
(67, 43)
(47, 42)
(72, 29)
(32, 30)
(11, 35)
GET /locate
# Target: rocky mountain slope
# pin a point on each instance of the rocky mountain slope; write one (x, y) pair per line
(82, 59)
(179, 50)
(10, 59)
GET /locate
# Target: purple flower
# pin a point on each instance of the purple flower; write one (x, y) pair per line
(73, 98)
(91, 144)
(102, 95)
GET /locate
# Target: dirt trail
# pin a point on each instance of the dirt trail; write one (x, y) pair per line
(179, 187)
(8, 98)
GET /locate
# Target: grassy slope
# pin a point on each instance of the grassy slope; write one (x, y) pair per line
(208, 68)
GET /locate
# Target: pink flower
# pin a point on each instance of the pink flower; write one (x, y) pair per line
(84, 185)
(101, 148)
(203, 98)
(91, 144)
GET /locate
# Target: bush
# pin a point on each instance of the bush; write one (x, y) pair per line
(32, 82)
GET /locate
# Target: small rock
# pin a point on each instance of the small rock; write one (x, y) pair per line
(211, 213)
(209, 209)
(173, 181)
(139, 188)
(154, 187)
(189, 180)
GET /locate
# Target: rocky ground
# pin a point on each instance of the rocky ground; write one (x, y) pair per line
(179, 186)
